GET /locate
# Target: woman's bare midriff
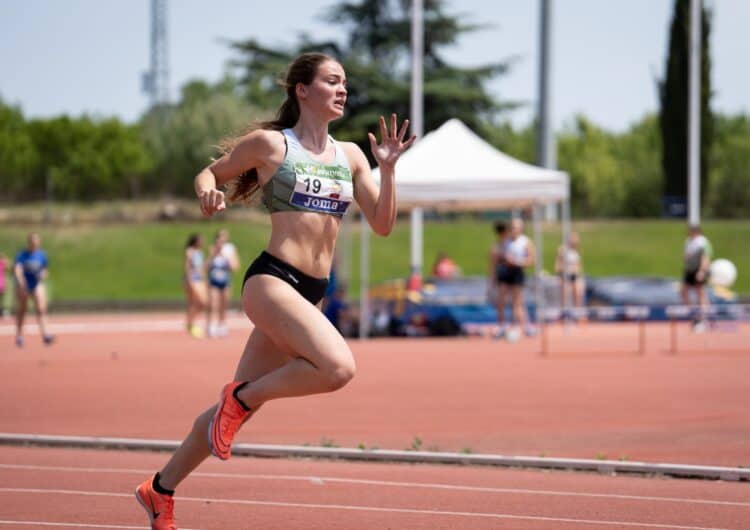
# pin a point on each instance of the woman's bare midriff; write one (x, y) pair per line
(305, 240)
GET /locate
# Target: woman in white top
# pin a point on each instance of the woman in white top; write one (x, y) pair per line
(569, 266)
(194, 283)
(519, 253)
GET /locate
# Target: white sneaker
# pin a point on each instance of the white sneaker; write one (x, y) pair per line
(700, 327)
(221, 330)
(500, 332)
(513, 334)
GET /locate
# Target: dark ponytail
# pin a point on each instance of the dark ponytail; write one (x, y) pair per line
(245, 187)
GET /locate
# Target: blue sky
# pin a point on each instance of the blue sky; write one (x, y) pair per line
(77, 56)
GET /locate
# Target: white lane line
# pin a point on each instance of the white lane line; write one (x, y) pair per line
(72, 525)
(62, 328)
(349, 507)
(321, 480)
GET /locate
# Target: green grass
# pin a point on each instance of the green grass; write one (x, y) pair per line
(144, 261)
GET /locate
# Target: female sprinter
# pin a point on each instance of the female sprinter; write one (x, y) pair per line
(307, 180)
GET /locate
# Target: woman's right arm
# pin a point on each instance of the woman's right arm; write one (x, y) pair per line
(252, 152)
(18, 273)
(559, 260)
(493, 262)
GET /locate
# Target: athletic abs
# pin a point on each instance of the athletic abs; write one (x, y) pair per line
(305, 240)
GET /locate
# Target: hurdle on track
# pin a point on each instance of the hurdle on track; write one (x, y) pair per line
(716, 317)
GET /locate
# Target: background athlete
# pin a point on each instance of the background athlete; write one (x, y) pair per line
(307, 180)
(29, 273)
(519, 253)
(194, 284)
(222, 262)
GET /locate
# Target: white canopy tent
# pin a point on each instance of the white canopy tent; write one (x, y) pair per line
(453, 169)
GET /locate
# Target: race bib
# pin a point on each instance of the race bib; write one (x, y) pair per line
(321, 188)
(218, 275)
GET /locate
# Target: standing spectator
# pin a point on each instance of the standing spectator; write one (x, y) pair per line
(221, 264)
(194, 283)
(519, 253)
(3, 268)
(569, 266)
(228, 249)
(697, 265)
(30, 272)
(497, 290)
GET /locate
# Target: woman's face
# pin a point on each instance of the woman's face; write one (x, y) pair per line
(34, 242)
(516, 228)
(326, 95)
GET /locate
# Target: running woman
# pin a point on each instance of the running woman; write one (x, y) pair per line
(29, 272)
(307, 180)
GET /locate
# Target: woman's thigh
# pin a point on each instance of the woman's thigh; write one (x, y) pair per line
(196, 292)
(292, 323)
(516, 294)
(214, 294)
(40, 298)
(260, 356)
(22, 298)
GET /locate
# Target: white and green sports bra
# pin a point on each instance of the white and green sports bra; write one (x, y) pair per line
(304, 184)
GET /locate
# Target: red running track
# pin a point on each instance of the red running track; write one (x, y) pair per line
(494, 397)
(447, 394)
(45, 488)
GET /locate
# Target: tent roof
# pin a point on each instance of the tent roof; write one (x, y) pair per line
(453, 168)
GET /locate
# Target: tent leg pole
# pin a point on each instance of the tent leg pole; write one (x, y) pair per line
(364, 279)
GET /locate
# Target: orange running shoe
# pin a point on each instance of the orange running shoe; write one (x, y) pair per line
(160, 508)
(227, 420)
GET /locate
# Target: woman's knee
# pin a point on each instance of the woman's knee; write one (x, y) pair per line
(339, 374)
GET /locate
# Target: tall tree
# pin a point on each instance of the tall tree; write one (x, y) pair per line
(18, 154)
(184, 138)
(375, 53)
(673, 92)
(729, 194)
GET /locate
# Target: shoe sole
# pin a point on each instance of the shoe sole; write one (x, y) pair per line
(211, 446)
(146, 508)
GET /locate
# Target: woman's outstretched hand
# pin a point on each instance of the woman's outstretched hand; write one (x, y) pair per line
(391, 142)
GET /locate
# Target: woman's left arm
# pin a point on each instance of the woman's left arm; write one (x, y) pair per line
(379, 205)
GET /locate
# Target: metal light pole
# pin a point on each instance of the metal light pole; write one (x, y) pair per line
(417, 127)
(546, 148)
(694, 116)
